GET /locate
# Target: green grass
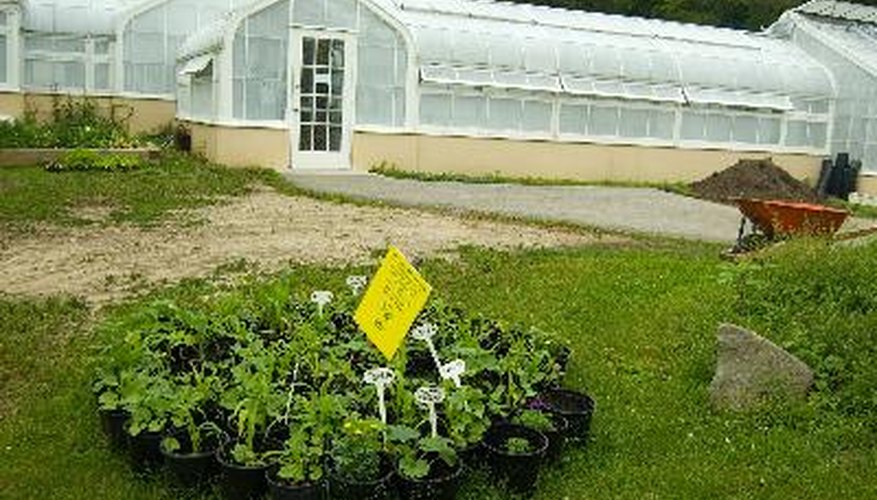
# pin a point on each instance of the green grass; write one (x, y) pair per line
(642, 321)
(393, 172)
(30, 195)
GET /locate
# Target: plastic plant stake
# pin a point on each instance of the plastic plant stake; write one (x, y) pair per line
(356, 284)
(380, 378)
(321, 298)
(429, 397)
(426, 332)
(453, 371)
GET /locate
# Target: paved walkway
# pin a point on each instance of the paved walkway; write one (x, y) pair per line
(649, 211)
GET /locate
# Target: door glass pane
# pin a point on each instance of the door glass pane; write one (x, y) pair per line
(307, 80)
(319, 138)
(304, 138)
(335, 139)
(308, 51)
(338, 53)
(323, 52)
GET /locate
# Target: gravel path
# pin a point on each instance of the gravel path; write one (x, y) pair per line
(649, 211)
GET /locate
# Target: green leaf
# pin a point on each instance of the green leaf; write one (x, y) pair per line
(413, 468)
(401, 433)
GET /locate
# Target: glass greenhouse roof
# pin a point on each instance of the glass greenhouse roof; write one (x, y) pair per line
(840, 10)
(74, 16)
(482, 42)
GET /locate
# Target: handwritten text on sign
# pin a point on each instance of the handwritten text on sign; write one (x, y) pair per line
(394, 298)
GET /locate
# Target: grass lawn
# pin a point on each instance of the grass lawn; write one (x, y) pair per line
(30, 195)
(642, 321)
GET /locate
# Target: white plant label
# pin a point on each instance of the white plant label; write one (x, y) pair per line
(425, 333)
(321, 298)
(356, 284)
(380, 378)
(453, 371)
(429, 397)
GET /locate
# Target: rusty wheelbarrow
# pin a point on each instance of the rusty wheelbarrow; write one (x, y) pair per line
(774, 220)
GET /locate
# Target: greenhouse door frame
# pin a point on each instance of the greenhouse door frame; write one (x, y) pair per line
(321, 122)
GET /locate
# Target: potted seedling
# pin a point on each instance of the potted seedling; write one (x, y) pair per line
(190, 450)
(553, 426)
(113, 416)
(516, 454)
(299, 471)
(148, 397)
(360, 468)
(255, 402)
(428, 465)
(467, 421)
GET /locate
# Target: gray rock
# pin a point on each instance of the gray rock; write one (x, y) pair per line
(752, 370)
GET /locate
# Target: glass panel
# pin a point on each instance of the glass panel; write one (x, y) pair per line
(307, 80)
(323, 52)
(320, 143)
(505, 114)
(3, 58)
(718, 128)
(662, 124)
(746, 129)
(307, 109)
(573, 118)
(337, 53)
(796, 134)
(337, 82)
(769, 131)
(308, 51)
(693, 126)
(304, 138)
(335, 139)
(634, 123)
(435, 109)
(537, 116)
(469, 111)
(604, 121)
(818, 132)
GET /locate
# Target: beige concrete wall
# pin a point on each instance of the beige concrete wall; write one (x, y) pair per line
(867, 185)
(241, 147)
(544, 159)
(141, 115)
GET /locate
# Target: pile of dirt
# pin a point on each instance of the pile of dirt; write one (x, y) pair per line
(760, 179)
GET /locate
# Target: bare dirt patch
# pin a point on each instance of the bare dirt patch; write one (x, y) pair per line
(265, 228)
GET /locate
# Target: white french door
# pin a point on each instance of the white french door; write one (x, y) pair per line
(323, 66)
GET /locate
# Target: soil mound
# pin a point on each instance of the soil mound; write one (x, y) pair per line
(754, 179)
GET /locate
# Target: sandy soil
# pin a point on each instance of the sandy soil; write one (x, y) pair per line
(103, 262)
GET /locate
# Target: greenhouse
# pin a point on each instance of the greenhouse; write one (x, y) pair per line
(481, 86)
(124, 49)
(467, 86)
(843, 37)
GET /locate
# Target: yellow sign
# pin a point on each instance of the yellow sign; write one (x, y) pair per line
(394, 298)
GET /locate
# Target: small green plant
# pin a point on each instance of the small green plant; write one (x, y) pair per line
(84, 160)
(190, 396)
(301, 460)
(518, 446)
(357, 451)
(535, 420)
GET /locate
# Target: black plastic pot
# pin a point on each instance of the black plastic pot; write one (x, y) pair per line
(282, 490)
(576, 407)
(189, 468)
(240, 482)
(145, 451)
(472, 456)
(379, 489)
(557, 437)
(518, 470)
(113, 424)
(442, 484)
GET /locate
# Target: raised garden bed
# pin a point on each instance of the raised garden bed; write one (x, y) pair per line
(286, 393)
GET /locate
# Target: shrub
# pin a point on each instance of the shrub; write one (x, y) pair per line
(74, 123)
(82, 160)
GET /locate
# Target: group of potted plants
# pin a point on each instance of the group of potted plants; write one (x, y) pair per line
(287, 396)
